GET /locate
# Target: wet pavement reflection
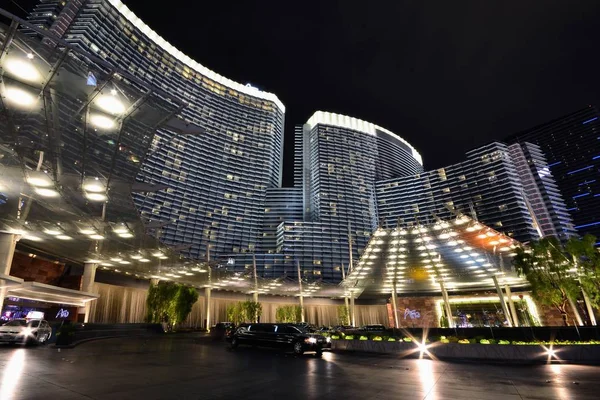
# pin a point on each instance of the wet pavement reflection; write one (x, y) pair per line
(185, 367)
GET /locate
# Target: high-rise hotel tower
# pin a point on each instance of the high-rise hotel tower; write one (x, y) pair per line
(228, 152)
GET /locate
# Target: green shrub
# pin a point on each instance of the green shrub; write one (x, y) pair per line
(464, 341)
(335, 337)
(407, 340)
(377, 338)
(349, 337)
(391, 339)
(503, 342)
(484, 341)
(363, 338)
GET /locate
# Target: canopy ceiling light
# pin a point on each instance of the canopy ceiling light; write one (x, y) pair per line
(110, 104)
(23, 69)
(39, 181)
(46, 192)
(19, 97)
(102, 122)
(95, 196)
(94, 186)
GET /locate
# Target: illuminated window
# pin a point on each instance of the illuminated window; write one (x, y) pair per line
(442, 174)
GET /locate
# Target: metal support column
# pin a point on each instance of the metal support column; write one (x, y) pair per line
(87, 285)
(395, 305)
(207, 293)
(502, 301)
(589, 308)
(352, 315)
(301, 294)
(511, 303)
(255, 294)
(447, 305)
(575, 311)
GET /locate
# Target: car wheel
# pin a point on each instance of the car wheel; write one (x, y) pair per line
(298, 349)
(234, 343)
(319, 353)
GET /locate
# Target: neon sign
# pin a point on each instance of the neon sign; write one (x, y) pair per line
(412, 314)
(62, 313)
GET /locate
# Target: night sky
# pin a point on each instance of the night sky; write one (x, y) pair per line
(447, 76)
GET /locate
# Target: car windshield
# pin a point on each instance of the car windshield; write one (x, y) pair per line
(16, 322)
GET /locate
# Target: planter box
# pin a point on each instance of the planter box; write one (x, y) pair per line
(491, 352)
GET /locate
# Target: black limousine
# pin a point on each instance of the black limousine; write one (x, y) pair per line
(282, 336)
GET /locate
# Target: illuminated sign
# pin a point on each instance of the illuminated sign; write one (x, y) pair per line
(231, 261)
(412, 314)
(62, 313)
(35, 315)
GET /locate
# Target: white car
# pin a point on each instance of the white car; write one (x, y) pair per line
(25, 331)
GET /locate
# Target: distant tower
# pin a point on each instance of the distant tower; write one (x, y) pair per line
(571, 146)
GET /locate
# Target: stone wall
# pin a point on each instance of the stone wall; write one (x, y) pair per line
(36, 269)
(417, 312)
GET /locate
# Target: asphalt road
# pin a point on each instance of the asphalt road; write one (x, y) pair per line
(183, 367)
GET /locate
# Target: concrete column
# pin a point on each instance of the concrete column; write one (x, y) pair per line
(395, 306)
(511, 303)
(352, 314)
(207, 292)
(8, 242)
(502, 301)
(447, 305)
(87, 285)
(575, 312)
(589, 308)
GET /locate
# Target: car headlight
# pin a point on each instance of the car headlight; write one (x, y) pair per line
(27, 331)
(311, 340)
(328, 339)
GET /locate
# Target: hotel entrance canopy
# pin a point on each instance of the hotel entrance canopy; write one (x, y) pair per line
(461, 254)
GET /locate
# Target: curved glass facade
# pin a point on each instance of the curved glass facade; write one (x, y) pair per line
(225, 155)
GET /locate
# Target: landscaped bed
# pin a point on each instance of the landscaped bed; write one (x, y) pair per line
(478, 348)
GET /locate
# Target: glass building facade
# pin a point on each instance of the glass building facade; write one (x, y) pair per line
(219, 164)
(338, 160)
(571, 145)
(505, 187)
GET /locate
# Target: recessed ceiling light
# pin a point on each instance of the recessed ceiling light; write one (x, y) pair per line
(96, 237)
(63, 237)
(52, 232)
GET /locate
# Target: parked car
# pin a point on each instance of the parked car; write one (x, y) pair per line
(221, 330)
(281, 336)
(24, 331)
(373, 328)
